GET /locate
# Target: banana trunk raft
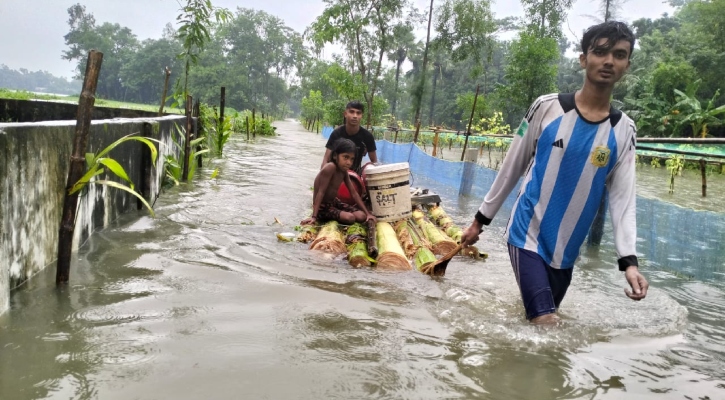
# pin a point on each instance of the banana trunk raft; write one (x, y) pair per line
(411, 243)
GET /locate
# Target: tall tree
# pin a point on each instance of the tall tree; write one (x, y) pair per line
(609, 10)
(404, 41)
(364, 29)
(116, 43)
(545, 16)
(261, 54)
(196, 23)
(531, 70)
(465, 29)
(143, 71)
(420, 88)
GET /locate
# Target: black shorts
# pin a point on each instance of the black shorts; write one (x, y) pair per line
(542, 287)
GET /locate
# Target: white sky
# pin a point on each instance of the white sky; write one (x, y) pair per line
(31, 31)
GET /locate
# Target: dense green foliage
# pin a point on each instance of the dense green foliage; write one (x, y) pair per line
(675, 86)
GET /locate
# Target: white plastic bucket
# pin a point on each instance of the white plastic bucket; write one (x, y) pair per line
(389, 189)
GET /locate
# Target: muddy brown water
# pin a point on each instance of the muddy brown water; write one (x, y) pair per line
(204, 302)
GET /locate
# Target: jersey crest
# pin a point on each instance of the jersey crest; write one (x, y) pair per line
(600, 156)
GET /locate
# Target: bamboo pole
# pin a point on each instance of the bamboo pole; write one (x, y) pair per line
(703, 171)
(167, 72)
(77, 165)
(146, 167)
(470, 121)
(372, 245)
(187, 142)
(435, 143)
(198, 128)
(222, 101)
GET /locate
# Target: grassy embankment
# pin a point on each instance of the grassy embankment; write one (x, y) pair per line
(24, 95)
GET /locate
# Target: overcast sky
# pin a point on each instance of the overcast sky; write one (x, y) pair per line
(31, 31)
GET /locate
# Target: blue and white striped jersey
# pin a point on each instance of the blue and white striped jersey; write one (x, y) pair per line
(567, 163)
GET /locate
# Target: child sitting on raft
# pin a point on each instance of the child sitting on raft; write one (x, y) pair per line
(325, 205)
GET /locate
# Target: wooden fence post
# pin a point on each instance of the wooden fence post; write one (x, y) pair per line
(417, 129)
(198, 127)
(470, 121)
(703, 171)
(222, 100)
(167, 72)
(147, 167)
(435, 143)
(77, 165)
(187, 142)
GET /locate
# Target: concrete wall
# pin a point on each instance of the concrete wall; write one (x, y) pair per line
(43, 110)
(34, 162)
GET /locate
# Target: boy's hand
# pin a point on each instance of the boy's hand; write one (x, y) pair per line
(470, 235)
(371, 217)
(638, 283)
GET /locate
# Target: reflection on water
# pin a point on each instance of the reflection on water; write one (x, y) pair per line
(204, 302)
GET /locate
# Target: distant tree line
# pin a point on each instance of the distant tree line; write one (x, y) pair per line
(36, 81)
(253, 54)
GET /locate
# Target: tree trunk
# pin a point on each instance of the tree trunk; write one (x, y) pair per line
(187, 141)
(400, 61)
(77, 165)
(433, 98)
(375, 85)
(421, 86)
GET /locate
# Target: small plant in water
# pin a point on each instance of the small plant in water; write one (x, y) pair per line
(96, 162)
(675, 164)
(173, 167)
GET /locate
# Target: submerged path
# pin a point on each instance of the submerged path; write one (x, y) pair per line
(204, 302)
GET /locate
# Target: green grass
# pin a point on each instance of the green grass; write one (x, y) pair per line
(23, 95)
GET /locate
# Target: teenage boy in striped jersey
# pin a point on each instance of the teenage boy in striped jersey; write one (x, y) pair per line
(570, 148)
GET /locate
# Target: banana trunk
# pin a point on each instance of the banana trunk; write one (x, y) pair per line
(330, 239)
(308, 233)
(405, 239)
(440, 243)
(424, 257)
(390, 254)
(357, 249)
(439, 216)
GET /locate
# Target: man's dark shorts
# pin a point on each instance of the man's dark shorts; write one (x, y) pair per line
(330, 211)
(542, 287)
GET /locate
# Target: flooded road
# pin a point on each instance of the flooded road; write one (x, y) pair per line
(204, 302)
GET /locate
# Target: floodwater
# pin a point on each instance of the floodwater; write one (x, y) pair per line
(204, 302)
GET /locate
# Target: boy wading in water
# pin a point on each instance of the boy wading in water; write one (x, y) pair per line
(326, 206)
(570, 148)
